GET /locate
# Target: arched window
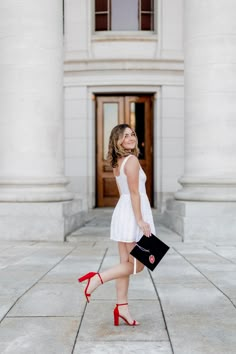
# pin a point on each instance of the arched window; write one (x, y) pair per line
(124, 15)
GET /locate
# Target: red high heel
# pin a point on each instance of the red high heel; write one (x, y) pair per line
(88, 277)
(117, 315)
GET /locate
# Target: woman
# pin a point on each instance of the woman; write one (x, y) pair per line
(131, 219)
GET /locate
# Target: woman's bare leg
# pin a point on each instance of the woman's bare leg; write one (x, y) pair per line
(120, 273)
(122, 284)
(120, 270)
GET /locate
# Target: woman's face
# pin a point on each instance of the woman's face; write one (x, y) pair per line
(129, 139)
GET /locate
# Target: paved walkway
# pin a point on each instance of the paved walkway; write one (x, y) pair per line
(187, 305)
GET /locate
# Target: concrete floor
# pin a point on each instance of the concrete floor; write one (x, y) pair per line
(187, 305)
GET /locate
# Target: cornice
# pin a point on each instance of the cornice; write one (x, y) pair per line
(104, 64)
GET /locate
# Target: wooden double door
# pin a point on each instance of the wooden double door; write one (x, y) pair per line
(110, 111)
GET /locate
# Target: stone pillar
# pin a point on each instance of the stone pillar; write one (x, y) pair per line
(31, 119)
(207, 202)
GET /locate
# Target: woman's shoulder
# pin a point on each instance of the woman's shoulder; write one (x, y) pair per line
(126, 159)
(132, 163)
(132, 159)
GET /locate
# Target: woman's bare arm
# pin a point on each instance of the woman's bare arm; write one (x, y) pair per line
(132, 168)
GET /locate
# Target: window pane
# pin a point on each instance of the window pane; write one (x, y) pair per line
(101, 5)
(110, 119)
(146, 22)
(124, 15)
(146, 5)
(101, 22)
(137, 122)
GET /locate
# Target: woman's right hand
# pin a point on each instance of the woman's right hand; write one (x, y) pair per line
(145, 227)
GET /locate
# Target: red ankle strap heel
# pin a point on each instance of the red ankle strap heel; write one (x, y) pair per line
(117, 316)
(88, 277)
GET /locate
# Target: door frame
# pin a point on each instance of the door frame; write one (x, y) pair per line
(105, 182)
(157, 125)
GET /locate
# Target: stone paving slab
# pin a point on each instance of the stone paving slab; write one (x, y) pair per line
(228, 252)
(204, 258)
(226, 281)
(204, 267)
(69, 269)
(6, 302)
(46, 256)
(207, 335)
(175, 269)
(127, 347)
(11, 290)
(38, 335)
(166, 234)
(50, 300)
(98, 323)
(67, 273)
(199, 318)
(186, 306)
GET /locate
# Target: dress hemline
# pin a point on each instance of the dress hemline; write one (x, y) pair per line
(123, 241)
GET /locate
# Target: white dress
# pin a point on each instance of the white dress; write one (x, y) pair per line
(124, 227)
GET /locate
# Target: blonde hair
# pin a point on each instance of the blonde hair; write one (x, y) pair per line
(115, 149)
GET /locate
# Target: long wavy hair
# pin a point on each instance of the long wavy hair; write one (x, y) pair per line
(115, 149)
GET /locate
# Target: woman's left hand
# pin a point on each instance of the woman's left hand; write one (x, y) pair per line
(145, 227)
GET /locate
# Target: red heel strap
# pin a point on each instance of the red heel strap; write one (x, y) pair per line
(122, 304)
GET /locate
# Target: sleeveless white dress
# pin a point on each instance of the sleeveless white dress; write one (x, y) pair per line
(124, 227)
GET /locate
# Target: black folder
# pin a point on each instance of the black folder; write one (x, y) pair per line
(149, 251)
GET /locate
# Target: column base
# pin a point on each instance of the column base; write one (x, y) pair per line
(40, 221)
(213, 222)
(34, 189)
(207, 189)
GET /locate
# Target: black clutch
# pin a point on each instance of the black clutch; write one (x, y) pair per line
(149, 251)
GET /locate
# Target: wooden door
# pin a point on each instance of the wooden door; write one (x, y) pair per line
(137, 112)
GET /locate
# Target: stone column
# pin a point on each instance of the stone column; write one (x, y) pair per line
(31, 101)
(31, 118)
(208, 196)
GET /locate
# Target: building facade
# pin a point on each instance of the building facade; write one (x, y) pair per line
(119, 72)
(73, 69)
